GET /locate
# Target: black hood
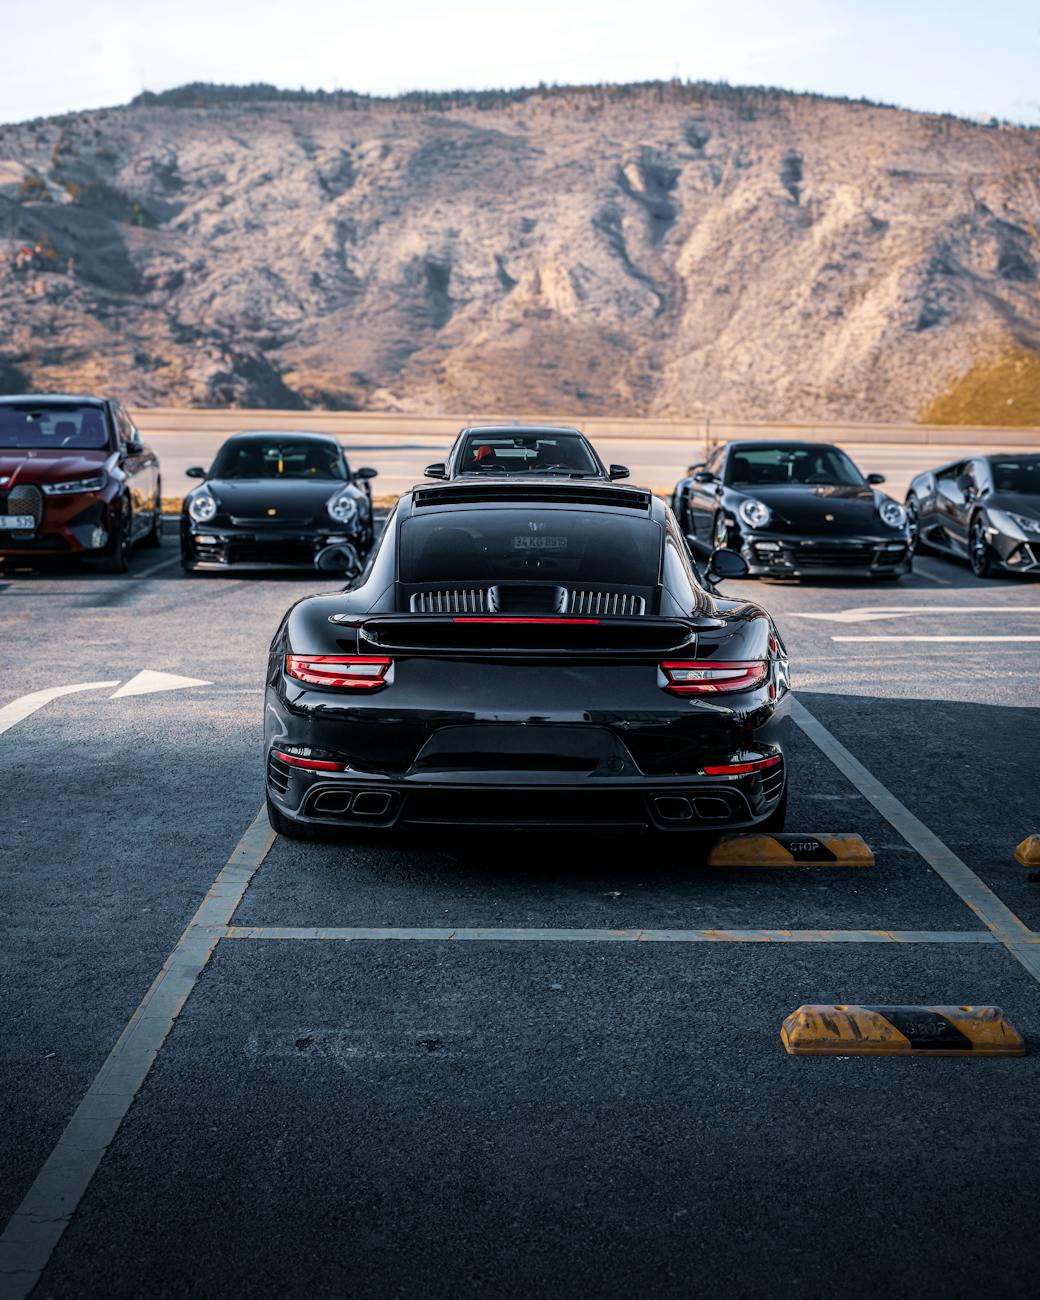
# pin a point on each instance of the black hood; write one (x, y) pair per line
(808, 505)
(298, 500)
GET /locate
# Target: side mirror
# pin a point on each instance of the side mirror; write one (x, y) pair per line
(196, 471)
(875, 478)
(704, 476)
(724, 563)
(619, 471)
(439, 470)
(366, 472)
(964, 485)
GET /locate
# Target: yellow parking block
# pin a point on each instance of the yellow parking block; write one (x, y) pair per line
(786, 850)
(839, 1030)
(1028, 852)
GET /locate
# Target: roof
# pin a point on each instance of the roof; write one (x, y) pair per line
(41, 399)
(505, 429)
(257, 435)
(799, 443)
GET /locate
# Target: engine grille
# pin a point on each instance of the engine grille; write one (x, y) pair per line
(454, 600)
(621, 603)
(24, 500)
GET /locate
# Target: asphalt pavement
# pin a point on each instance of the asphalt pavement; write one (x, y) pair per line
(544, 1069)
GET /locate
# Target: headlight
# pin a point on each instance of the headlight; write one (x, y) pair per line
(1031, 526)
(343, 508)
(202, 507)
(756, 514)
(94, 484)
(892, 513)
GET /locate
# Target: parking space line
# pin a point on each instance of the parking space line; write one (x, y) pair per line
(464, 934)
(935, 638)
(1012, 932)
(37, 1225)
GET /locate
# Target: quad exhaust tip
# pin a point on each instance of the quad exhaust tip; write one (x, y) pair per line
(367, 804)
(679, 808)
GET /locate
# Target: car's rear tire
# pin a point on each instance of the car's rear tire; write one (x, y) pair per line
(153, 538)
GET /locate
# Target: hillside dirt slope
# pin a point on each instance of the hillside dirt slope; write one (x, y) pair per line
(668, 250)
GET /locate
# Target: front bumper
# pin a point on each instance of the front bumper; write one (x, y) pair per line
(1016, 556)
(78, 525)
(220, 548)
(780, 555)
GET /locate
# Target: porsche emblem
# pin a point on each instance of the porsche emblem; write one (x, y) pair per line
(272, 511)
(829, 518)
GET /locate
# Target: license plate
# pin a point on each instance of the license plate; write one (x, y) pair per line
(17, 521)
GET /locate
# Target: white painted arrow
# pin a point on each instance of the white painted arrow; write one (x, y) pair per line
(26, 704)
(147, 682)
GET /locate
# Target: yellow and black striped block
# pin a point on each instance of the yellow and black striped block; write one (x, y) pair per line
(840, 1030)
(787, 850)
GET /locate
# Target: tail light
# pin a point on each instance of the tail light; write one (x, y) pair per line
(342, 672)
(312, 764)
(712, 676)
(739, 769)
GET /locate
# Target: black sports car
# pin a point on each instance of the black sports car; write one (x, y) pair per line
(794, 509)
(278, 501)
(526, 654)
(986, 509)
(496, 449)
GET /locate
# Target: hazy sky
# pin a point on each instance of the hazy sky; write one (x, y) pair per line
(964, 56)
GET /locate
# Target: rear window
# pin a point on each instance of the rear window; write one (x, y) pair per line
(523, 545)
(53, 427)
(1019, 475)
(564, 453)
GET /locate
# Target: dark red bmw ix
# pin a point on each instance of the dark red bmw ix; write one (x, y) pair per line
(75, 480)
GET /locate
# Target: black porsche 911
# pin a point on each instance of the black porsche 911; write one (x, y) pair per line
(794, 509)
(491, 450)
(535, 654)
(985, 510)
(278, 501)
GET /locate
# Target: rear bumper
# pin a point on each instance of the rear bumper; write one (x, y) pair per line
(777, 555)
(682, 803)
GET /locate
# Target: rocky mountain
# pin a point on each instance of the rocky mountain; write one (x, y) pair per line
(667, 249)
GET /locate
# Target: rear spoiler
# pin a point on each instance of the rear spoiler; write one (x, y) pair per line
(499, 634)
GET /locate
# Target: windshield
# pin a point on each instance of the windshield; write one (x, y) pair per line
(1019, 475)
(533, 544)
(557, 453)
(777, 466)
(55, 428)
(280, 458)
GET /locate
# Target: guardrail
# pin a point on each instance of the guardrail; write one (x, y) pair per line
(695, 431)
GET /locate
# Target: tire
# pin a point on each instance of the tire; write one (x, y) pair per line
(118, 558)
(291, 829)
(777, 818)
(980, 553)
(153, 538)
(913, 515)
